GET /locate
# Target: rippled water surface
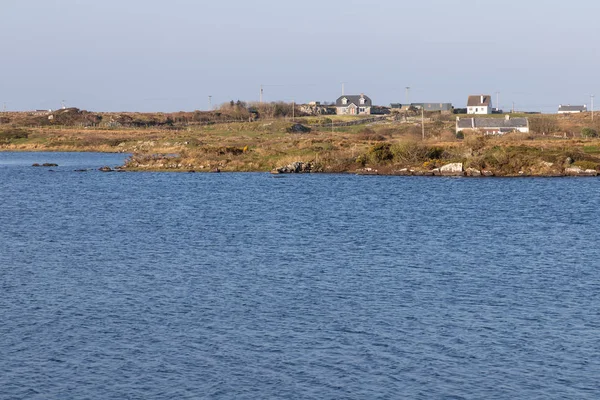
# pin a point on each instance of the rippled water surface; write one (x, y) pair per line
(251, 286)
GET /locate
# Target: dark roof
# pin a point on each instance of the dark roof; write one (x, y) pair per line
(485, 123)
(572, 108)
(434, 106)
(353, 99)
(475, 101)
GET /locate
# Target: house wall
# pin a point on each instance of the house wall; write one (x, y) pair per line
(479, 110)
(360, 110)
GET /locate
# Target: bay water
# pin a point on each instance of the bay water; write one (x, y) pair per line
(255, 286)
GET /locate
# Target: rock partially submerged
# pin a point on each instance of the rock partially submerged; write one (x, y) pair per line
(44, 165)
(297, 167)
(105, 169)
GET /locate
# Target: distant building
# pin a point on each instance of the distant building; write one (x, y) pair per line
(433, 106)
(479, 104)
(569, 109)
(379, 110)
(353, 105)
(493, 126)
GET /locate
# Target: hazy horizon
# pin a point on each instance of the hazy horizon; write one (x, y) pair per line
(152, 56)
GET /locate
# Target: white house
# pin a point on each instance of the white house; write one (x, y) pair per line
(353, 105)
(479, 104)
(569, 109)
(493, 126)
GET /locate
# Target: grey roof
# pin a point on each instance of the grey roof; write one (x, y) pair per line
(572, 108)
(354, 99)
(475, 101)
(434, 106)
(487, 123)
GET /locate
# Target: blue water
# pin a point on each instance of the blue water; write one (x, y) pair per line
(252, 286)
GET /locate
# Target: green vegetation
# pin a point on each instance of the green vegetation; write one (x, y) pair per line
(235, 139)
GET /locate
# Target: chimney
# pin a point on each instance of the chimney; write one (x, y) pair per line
(507, 117)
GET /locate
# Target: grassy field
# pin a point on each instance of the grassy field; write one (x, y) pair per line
(384, 147)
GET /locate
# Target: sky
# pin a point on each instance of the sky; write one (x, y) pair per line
(150, 55)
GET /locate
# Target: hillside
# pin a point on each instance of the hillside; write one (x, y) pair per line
(389, 146)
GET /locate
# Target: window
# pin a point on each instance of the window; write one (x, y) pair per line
(362, 100)
(361, 109)
(344, 101)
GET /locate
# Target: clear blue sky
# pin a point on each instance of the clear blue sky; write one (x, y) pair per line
(150, 55)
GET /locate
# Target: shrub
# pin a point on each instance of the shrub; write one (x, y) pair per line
(589, 133)
(460, 135)
(380, 152)
(416, 152)
(587, 165)
(6, 135)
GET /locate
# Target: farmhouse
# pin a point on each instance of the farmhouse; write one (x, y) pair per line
(569, 109)
(493, 126)
(353, 105)
(479, 104)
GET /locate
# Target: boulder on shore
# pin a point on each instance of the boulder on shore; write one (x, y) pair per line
(105, 169)
(297, 167)
(454, 169)
(472, 172)
(577, 171)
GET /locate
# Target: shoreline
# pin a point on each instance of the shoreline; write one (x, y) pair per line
(387, 147)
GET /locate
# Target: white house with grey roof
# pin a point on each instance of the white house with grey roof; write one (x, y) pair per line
(479, 104)
(569, 109)
(353, 105)
(493, 126)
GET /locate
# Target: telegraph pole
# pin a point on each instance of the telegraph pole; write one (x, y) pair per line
(423, 122)
(261, 93)
(592, 97)
(343, 88)
(407, 95)
(497, 101)
(209, 102)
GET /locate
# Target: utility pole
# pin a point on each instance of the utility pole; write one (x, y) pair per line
(343, 88)
(4, 107)
(293, 110)
(407, 95)
(261, 93)
(423, 122)
(209, 102)
(62, 103)
(513, 109)
(592, 97)
(497, 101)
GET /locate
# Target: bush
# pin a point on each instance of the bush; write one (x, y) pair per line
(589, 133)
(587, 165)
(380, 153)
(6, 135)
(416, 152)
(460, 135)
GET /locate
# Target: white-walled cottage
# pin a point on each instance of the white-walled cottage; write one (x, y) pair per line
(353, 105)
(479, 104)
